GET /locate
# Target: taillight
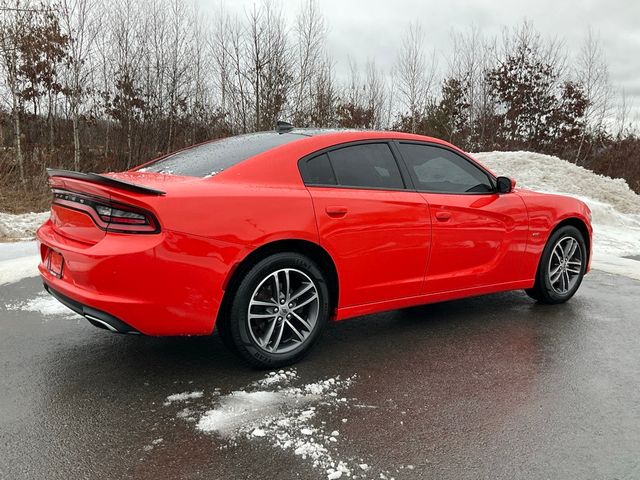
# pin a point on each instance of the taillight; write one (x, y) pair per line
(107, 215)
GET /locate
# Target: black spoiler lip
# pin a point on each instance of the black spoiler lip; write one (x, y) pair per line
(103, 180)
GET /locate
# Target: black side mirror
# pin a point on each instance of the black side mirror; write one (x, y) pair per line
(505, 184)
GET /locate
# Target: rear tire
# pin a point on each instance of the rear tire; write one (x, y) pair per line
(278, 311)
(562, 266)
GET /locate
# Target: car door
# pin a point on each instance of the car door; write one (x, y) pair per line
(479, 236)
(377, 231)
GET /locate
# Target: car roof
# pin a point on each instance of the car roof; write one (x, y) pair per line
(320, 138)
(349, 134)
(284, 158)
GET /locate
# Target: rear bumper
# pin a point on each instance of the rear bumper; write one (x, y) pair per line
(160, 284)
(97, 318)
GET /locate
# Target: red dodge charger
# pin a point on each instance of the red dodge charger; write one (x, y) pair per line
(268, 236)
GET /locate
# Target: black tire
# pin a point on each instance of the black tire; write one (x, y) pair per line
(236, 331)
(222, 327)
(543, 290)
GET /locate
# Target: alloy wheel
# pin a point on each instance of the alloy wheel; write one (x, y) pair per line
(565, 265)
(283, 310)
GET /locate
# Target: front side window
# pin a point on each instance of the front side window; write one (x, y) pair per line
(436, 169)
(367, 166)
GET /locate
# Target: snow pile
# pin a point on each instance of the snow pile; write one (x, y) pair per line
(43, 304)
(20, 227)
(615, 207)
(18, 260)
(275, 411)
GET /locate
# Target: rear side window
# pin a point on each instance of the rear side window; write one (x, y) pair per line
(318, 171)
(440, 170)
(367, 166)
(211, 158)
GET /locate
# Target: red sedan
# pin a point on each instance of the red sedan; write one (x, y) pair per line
(268, 236)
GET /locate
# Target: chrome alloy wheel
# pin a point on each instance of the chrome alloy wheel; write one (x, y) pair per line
(565, 265)
(283, 310)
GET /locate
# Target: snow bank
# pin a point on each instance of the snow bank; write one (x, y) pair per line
(615, 207)
(18, 260)
(274, 410)
(20, 227)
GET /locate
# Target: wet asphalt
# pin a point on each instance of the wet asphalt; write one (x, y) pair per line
(494, 387)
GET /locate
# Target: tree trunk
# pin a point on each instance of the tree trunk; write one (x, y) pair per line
(18, 144)
(577, 160)
(106, 140)
(76, 143)
(50, 122)
(129, 143)
(170, 139)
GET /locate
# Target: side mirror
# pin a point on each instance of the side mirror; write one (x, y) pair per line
(505, 184)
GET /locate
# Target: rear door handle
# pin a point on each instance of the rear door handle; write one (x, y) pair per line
(336, 210)
(443, 216)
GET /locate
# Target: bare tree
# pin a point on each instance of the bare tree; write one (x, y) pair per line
(375, 95)
(79, 22)
(472, 57)
(127, 50)
(178, 66)
(415, 74)
(324, 96)
(269, 63)
(310, 33)
(622, 114)
(593, 74)
(15, 21)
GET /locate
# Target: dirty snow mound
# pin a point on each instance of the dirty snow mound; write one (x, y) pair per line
(615, 207)
(22, 226)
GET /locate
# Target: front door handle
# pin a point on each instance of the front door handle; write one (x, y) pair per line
(443, 216)
(336, 210)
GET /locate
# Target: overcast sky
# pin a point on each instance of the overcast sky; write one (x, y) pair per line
(373, 29)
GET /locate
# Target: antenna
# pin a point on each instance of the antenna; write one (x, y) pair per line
(283, 127)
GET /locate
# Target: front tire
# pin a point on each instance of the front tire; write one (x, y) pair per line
(562, 266)
(279, 310)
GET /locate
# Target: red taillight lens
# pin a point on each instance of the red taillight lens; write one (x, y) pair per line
(115, 215)
(108, 215)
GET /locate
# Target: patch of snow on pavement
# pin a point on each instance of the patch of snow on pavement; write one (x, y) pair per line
(615, 207)
(21, 226)
(276, 411)
(44, 304)
(182, 397)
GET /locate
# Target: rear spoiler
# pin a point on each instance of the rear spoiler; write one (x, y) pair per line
(104, 180)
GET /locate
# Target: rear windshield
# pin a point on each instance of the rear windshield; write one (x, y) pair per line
(211, 158)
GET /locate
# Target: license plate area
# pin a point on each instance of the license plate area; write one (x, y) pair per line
(55, 263)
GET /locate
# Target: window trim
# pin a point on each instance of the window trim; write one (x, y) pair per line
(490, 176)
(407, 176)
(404, 174)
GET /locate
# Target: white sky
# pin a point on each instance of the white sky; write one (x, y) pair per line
(373, 29)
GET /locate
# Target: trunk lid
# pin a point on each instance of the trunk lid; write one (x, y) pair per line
(86, 206)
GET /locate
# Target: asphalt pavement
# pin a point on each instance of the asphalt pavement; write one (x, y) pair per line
(493, 387)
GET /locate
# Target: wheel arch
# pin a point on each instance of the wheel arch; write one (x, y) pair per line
(304, 247)
(582, 228)
(576, 222)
